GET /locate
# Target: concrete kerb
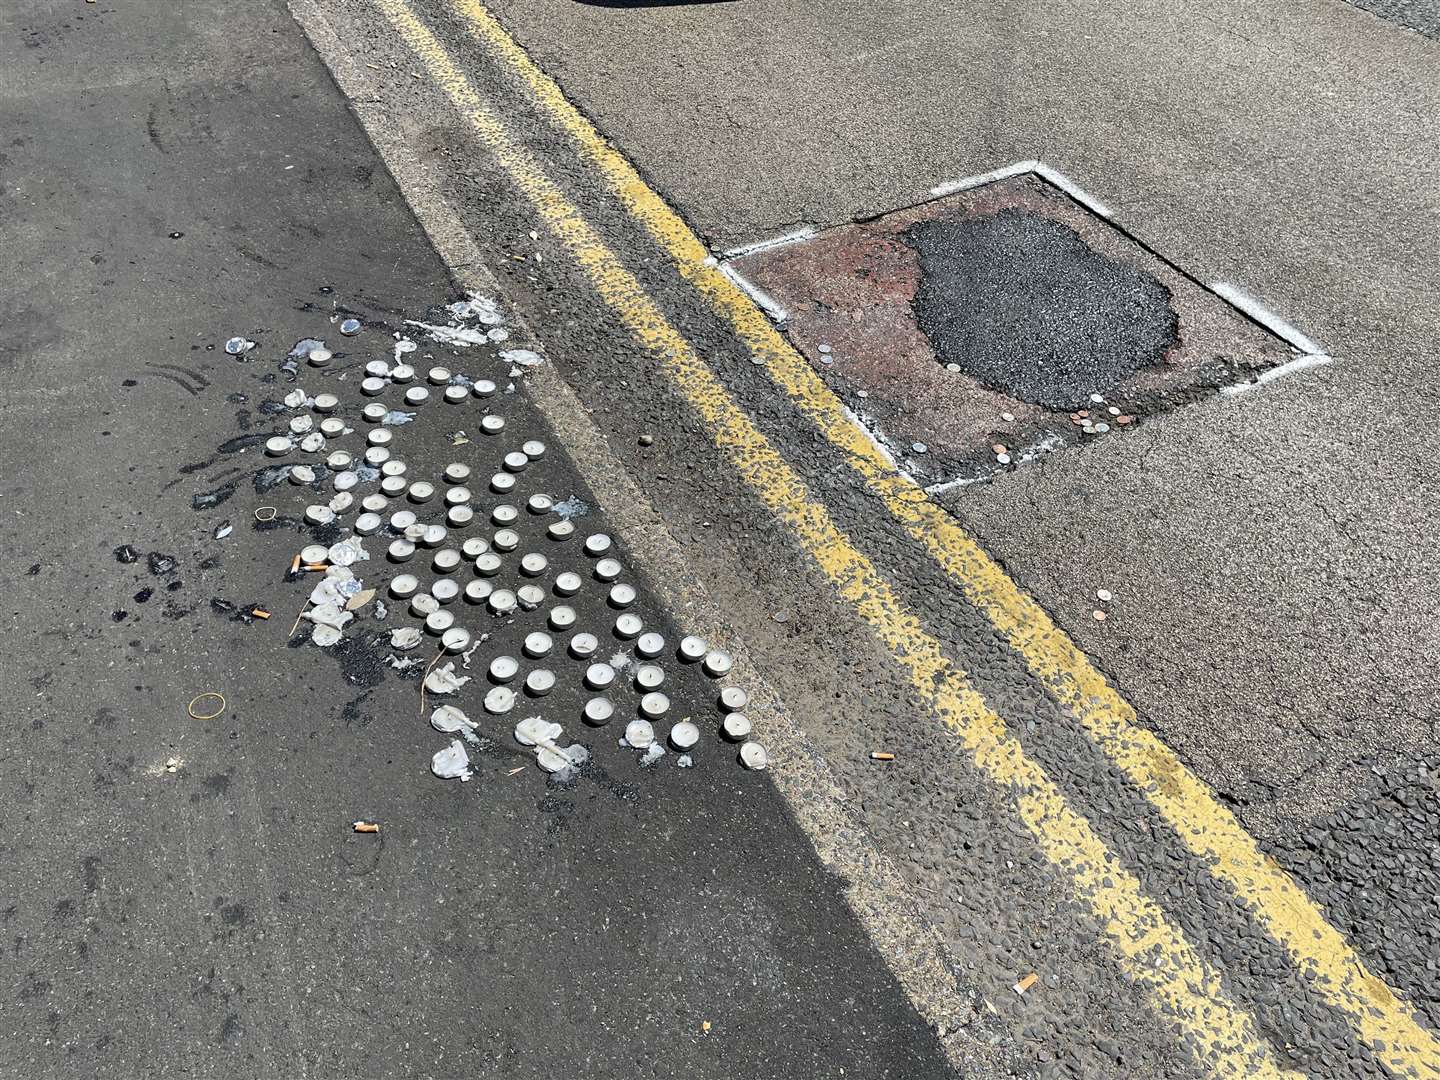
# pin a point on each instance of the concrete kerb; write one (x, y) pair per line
(910, 946)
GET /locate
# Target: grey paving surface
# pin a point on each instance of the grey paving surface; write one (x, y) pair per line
(1267, 551)
(185, 897)
(1421, 15)
(1283, 148)
(1003, 911)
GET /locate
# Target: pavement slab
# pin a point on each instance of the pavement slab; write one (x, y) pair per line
(1003, 322)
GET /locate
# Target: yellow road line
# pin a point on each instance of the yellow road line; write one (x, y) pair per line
(1152, 950)
(1210, 831)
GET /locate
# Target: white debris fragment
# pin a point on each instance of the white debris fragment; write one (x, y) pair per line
(344, 577)
(403, 345)
(224, 531)
(444, 680)
(482, 309)
(327, 591)
(684, 761)
(522, 357)
(239, 346)
(465, 656)
(572, 507)
(452, 762)
(459, 336)
(329, 615)
(325, 636)
(296, 399)
(652, 754)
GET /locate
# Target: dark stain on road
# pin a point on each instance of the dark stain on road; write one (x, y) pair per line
(208, 500)
(213, 787)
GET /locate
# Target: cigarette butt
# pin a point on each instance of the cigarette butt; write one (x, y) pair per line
(317, 566)
(260, 613)
(367, 826)
(1026, 983)
(882, 755)
(295, 565)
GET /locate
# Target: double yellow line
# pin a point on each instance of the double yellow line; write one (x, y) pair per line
(1152, 950)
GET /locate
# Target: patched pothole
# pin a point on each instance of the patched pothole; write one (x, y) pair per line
(976, 332)
(1023, 304)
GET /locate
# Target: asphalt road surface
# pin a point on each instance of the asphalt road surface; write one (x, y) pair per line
(1102, 744)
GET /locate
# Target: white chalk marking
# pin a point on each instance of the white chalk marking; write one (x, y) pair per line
(799, 235)
(1300, 363)
(981, 179)
(765, 301)
(1074, 190)
(1242, 300)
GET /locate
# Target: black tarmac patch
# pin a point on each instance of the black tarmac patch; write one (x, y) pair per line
(1023, 304)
